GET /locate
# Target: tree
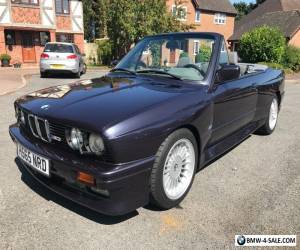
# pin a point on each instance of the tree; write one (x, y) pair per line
(244, 9)
(263, 44)
(95, 18)
(129, 20)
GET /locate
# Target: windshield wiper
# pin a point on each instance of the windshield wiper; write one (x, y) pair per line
(124, 70)
(158, 72)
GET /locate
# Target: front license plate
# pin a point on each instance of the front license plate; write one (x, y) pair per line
(35, 161)
(57, 66)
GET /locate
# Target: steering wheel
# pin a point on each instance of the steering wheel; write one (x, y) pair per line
(193, 66)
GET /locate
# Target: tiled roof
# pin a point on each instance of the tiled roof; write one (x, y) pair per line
(216, 5)
(287, 21)
(281, 13)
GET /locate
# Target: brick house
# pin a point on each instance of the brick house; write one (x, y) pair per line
(206, 15)
(284, 14)
(26, 25)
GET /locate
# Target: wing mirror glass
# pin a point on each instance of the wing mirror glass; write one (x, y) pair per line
(227, 73)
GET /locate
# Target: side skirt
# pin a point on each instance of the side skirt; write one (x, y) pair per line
(218, 149)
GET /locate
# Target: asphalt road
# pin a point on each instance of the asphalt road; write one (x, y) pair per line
(253, 189)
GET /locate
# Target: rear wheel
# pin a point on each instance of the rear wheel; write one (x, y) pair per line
(84, 68)
(270, 124)
(43, 74)
(78, 74)
(174, 169)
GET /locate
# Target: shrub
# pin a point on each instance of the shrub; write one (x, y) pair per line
(204, 54)
(291, 58)
(5, 57)
(184, 54)
(104, 52)
(263, 44)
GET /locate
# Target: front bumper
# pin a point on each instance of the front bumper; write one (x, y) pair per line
(127, 184)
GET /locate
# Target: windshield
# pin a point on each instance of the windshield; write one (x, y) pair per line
(58, 48)
(185, 57)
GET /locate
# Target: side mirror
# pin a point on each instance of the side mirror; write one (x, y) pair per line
(114, 63)
(228, 73)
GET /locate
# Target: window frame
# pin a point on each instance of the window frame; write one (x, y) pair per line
(194, 47)
(61, 12)
(177, 14)
(41, 40)
(30, 2)
(13, 33)
(69, 36)
(220, 18)
(197, 20)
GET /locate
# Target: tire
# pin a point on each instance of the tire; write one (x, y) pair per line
(271, 122)
(165, 170)
(77, 75)
(43, 74)
(84, 68)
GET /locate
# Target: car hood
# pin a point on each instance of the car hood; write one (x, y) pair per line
(98, 103)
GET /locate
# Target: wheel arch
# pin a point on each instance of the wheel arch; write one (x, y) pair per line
(278, 95)
(197, 136)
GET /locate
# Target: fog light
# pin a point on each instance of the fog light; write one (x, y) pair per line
(103, 192)
(86, 178)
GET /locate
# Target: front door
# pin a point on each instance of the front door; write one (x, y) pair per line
(234, 104)
(28, 47)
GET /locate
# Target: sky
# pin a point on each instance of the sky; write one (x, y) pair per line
(247, 1)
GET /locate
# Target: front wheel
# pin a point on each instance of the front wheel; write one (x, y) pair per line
(174, 169)
(271, 122)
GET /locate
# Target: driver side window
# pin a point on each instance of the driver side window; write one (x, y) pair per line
(223, 59)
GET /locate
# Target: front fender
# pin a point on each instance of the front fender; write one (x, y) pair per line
(141, 135)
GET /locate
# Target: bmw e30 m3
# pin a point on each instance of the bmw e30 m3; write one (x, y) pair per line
(140, 133)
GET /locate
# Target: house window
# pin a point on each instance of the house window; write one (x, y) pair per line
(180, 12)
(44, 38)
(196, 47)
(220, 18)
(197, 16)
(10, 37)
(29, 2)
(65, 38)
(62, 7)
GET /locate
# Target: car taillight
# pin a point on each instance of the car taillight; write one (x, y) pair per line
(72, 56)
(44, 56)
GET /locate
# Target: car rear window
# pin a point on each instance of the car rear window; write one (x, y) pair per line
(59, 48)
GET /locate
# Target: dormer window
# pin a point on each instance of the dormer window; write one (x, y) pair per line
(62, 7)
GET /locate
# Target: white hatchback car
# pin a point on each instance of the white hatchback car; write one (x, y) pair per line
(62, 58)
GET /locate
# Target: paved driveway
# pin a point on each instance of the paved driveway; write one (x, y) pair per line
(254, 189)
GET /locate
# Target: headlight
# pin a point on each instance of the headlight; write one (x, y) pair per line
(75, 139)
(22, 117)
(84, 142)
(17, 112)
(96, 144)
